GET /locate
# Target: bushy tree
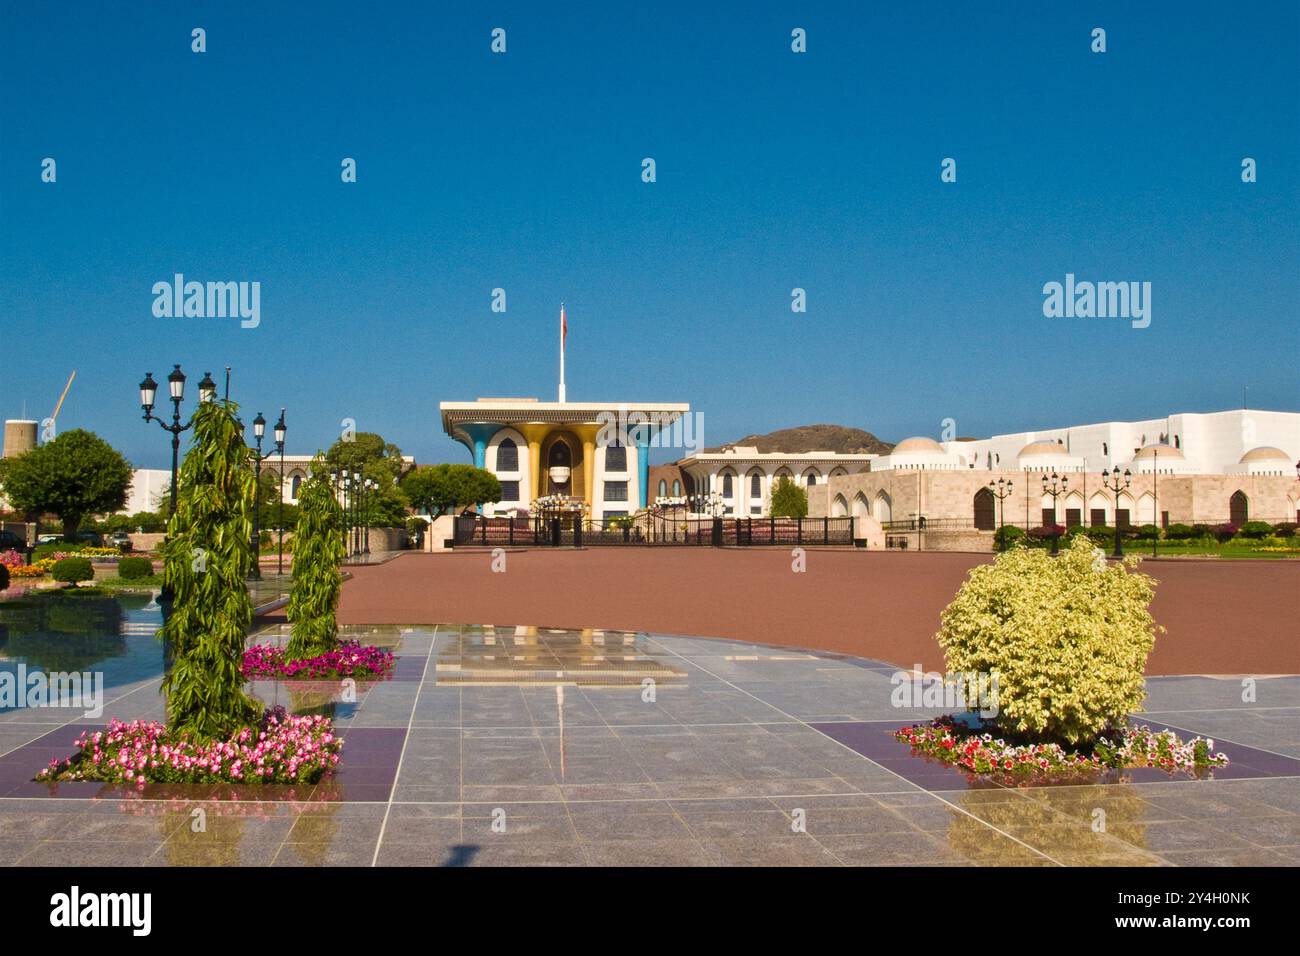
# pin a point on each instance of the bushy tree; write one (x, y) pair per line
(207, 557)
(72, 570)
(318, 549)
(788, 500)
(1068, 639)
(368, 454)
(74, 475)
(363, 450)
(439, 489)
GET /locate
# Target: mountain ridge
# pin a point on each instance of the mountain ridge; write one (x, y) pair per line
(841, 439)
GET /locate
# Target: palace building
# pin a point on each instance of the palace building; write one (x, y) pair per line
(1232, 466)
(591, 457)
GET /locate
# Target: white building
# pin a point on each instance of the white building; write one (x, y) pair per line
(592, 457)
(1201, 443)
(743, 477)
(149, 488)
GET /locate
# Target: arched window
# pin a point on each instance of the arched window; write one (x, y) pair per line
(812, 480)
(985, 516)
(616, 458)
(1238, 508)
(755, 486)
(507, 455)
(561, 456)
(663, 488)
(294, 485)
(677, 488)
(727, 490)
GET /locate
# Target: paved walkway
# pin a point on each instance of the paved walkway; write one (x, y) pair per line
(1223, 617)
(515, 746)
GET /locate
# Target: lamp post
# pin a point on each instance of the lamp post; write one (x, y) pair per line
(344, 482)
(176, 392)
(999, 493)
(279, 520)
(259, 432)
(1113, 482)
(363, 517)
(1055, 492)
(374, 486)
(334, 481)
(1155, 499)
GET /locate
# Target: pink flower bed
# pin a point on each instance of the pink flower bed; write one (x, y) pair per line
(983, 754)
(284, 749)
(267, 662)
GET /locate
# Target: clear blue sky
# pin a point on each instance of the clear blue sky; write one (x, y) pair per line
(775, 170)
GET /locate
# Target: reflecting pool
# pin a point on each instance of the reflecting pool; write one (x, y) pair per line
(83, 629)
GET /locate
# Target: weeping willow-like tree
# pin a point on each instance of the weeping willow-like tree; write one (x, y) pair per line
(317, 552)
(207, 557)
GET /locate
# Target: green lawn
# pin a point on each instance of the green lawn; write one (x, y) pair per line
(1235, 549)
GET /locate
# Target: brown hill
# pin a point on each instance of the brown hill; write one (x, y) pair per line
(836, 438)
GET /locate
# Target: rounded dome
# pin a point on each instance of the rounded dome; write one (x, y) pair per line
(1148, 452)
(917, 444)
(1035, 448)
(1265, 453)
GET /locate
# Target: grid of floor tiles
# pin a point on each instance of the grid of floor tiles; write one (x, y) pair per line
(509, 746)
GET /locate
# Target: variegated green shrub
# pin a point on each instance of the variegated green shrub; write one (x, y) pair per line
(1067, 637)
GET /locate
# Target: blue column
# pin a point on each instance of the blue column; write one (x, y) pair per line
(480, 433)
(643, 467)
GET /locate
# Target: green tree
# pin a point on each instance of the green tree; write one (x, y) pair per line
(364, 450)
(74, 475)
(439, 489)
(789, 500)
(207, 557)
(367, 454)
(269, 505)
(317, 551)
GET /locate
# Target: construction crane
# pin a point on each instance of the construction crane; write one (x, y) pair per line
(62, 397)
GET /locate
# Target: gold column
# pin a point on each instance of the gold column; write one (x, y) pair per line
(588, 469)
(535, 435)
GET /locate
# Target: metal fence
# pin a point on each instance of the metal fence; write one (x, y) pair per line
(649, 531)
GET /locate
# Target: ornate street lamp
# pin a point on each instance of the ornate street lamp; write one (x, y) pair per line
(279, 519)
(175, 392)
(1055, 492)
(1114, 483)
(1001, 495)
(259, 432)
(1155, 500)
(344, 483)
(374, 486)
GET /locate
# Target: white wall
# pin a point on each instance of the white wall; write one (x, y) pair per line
(149, 486)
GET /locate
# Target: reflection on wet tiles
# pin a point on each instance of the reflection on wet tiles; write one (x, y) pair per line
(741, 755)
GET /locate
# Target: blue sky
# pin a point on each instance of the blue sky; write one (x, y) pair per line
(775, 170)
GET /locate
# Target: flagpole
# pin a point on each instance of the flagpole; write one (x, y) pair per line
(561, 351)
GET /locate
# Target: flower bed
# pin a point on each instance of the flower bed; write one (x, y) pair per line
(283, 749)
(350, 659)
(982, 754)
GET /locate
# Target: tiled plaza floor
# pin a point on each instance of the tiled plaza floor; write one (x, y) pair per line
(506, 746)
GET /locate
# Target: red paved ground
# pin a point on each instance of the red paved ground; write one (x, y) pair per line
(1224, 617)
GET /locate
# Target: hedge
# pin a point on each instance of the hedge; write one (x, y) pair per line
(72, 570)
(132, 569)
